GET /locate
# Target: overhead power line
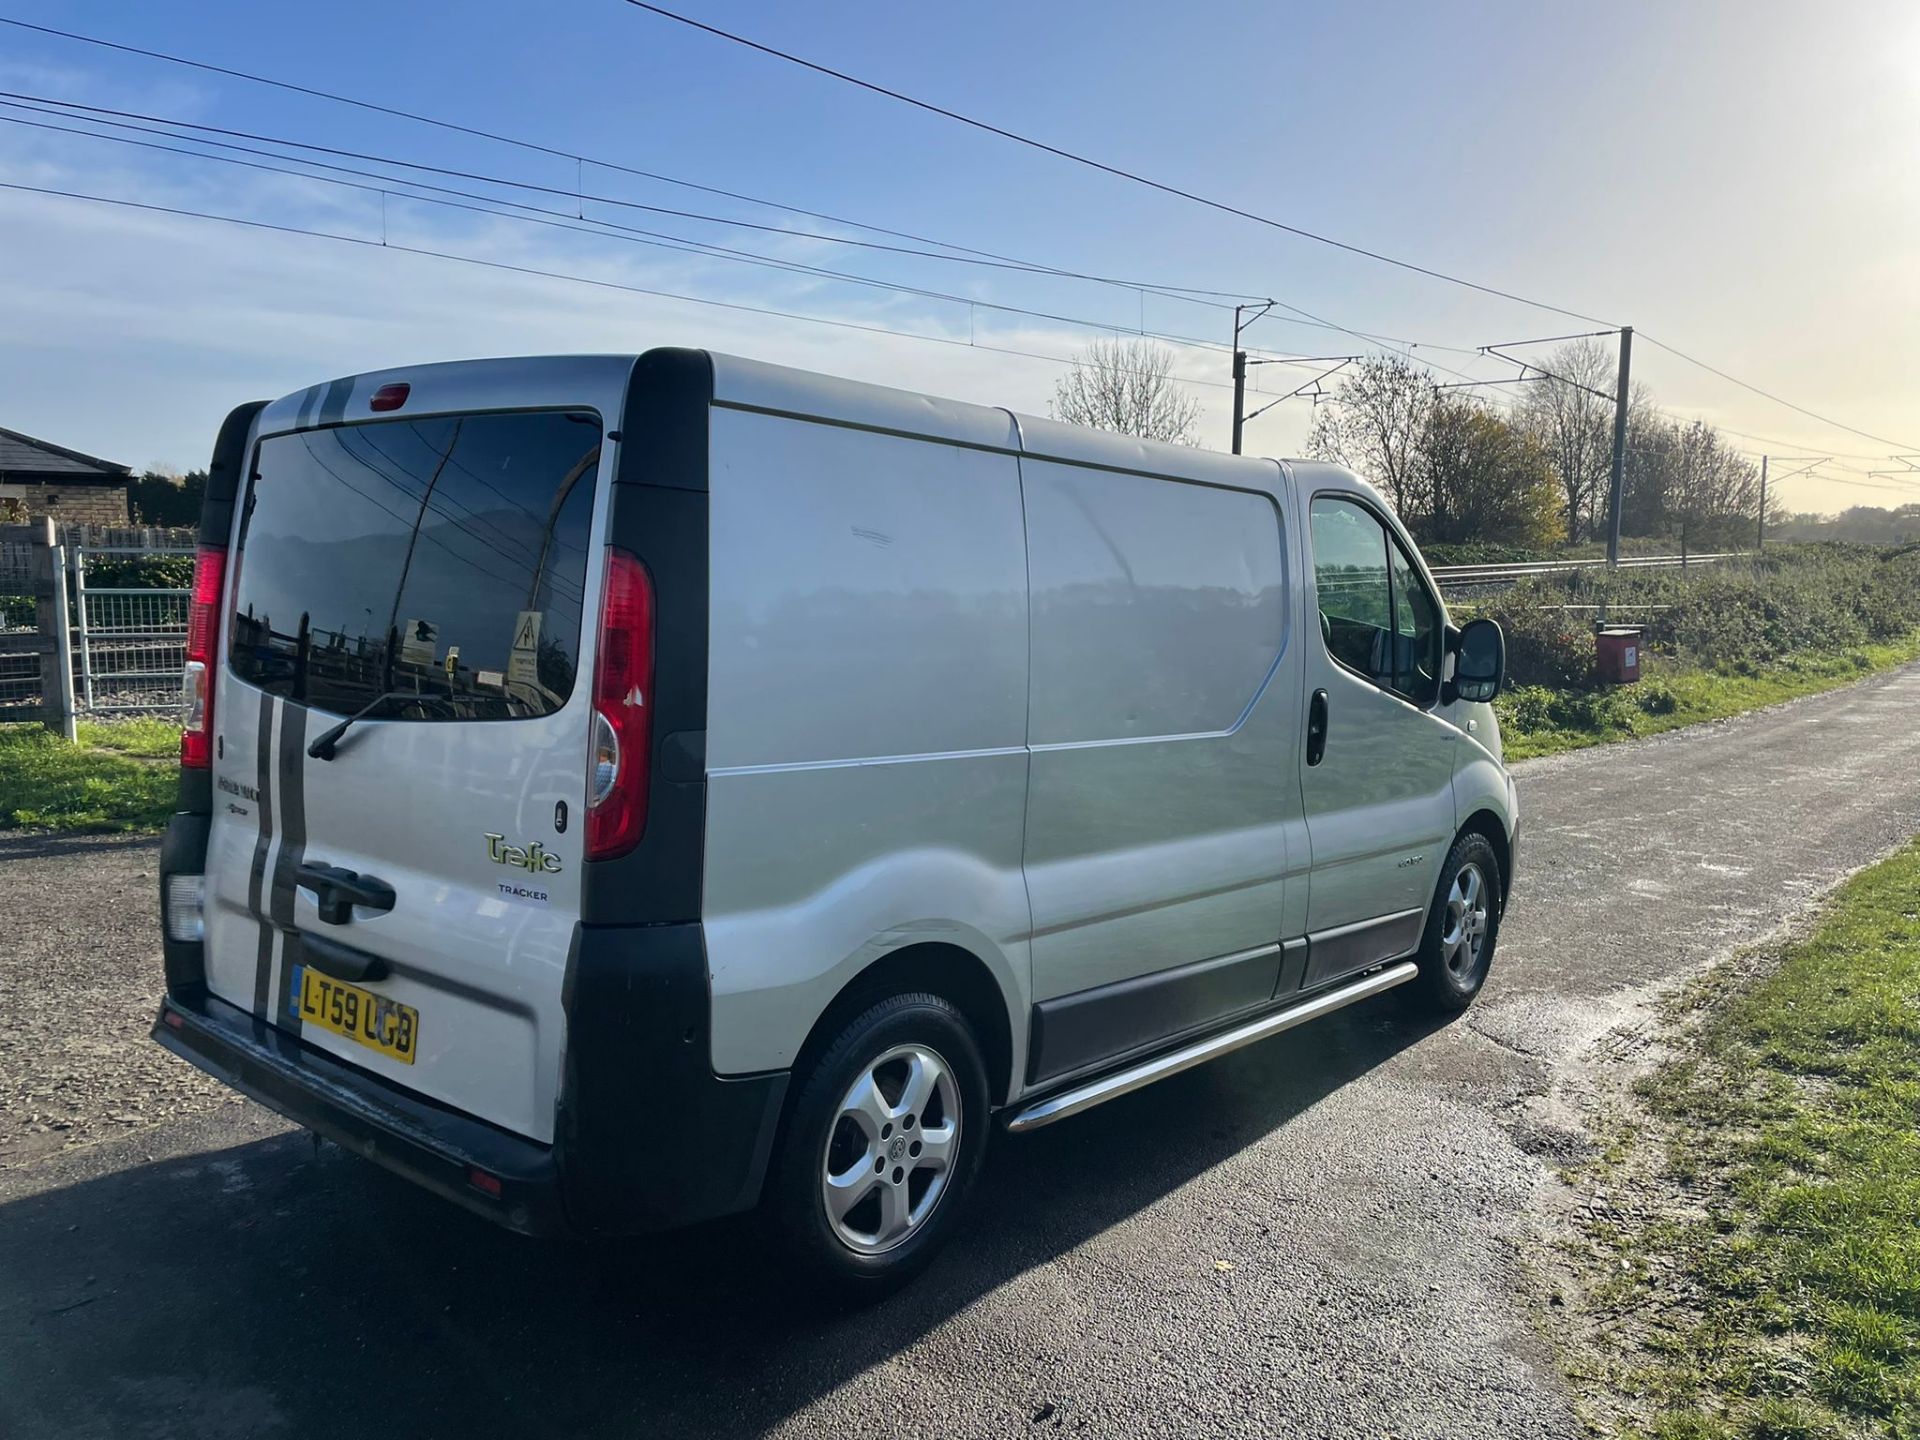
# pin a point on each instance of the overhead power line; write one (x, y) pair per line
(577, 193)
(1221, 205)
(1776, 440)
(1778, 400)
(143, 124)
(588, 225)
(1525, 365)
(1115, 170)
(1178, 292)
(537, 273)
(1861, 484)
(1188, 293)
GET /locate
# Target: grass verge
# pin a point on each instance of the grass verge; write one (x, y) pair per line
(1536, 720)
(148, 736)
(45, 783)
(1760, 1278)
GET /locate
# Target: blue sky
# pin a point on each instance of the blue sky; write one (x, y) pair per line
(1741, 180)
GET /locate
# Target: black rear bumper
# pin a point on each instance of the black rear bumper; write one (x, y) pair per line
(433, 1146)
(638, 1097)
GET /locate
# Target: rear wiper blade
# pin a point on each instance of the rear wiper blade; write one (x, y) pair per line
(323, 746)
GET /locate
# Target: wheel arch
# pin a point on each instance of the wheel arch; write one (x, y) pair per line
(950, 971)
(1486, 823)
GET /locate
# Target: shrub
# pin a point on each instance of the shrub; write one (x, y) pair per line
(1544, 646)
(141, 572)
(1740, 615)
(1594, 710)
(1525, 707)
(1480, 552)
(1655, 697)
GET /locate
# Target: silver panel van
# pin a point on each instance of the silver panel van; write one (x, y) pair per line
(621, 791)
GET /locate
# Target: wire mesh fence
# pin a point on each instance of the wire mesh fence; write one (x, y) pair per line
(19, 676)
(20, 650)
(94, 624)
(129, 641)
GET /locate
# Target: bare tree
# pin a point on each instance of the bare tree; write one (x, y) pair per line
(1716, 495)
(1684, 480)
(1575, 428)
(1128, 387)
(1377, 426)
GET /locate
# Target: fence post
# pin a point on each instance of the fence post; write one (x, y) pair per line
(54, 624)
(80, 609)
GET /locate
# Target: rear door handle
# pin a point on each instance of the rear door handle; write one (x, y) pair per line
(337, 891)
(1317, 727)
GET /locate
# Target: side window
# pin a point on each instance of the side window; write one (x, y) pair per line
(1416, 631)
(1356, 597)
(1376, 616)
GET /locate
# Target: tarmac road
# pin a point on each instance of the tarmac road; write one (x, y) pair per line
(1325, 1235)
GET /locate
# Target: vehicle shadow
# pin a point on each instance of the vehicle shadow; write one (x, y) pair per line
(59, 844)
(270, 1288)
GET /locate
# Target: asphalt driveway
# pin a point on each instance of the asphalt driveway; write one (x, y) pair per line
(1325, 1235)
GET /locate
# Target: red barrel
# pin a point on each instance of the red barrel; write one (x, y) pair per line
(1616, 653)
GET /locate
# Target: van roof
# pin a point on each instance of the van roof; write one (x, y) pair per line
(521, 381)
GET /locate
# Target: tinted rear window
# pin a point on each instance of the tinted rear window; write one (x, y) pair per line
(443, 559)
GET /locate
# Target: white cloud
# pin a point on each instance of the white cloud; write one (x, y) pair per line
(129, 333)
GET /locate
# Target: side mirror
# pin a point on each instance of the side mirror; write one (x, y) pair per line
(1479, 662)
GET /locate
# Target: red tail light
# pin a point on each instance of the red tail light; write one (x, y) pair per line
(203, 638)
(621, 751)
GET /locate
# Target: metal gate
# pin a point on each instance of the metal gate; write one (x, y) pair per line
(129, 642)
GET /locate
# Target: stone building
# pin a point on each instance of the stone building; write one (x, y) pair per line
(52, 480)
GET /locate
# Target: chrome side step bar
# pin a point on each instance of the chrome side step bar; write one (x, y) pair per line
(1111, 1087)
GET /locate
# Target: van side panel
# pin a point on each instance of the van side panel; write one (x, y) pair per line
(1165, 707)
(867, 711)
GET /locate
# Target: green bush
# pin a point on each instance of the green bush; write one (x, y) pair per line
(1655, 697)
(140, 572)
(1545, 646)
(1740, 616)
(1757, 611)
(1600, 711)
(1538, 710)
(1439, 554)
(1524, 707)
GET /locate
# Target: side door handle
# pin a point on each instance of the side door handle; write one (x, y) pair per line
(1317, 727)
(337, 891)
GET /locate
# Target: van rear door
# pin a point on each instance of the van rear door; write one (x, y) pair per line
(407, 905)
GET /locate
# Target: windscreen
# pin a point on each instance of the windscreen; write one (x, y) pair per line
(440, 562)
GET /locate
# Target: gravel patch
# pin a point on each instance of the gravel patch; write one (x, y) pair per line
(80, 981)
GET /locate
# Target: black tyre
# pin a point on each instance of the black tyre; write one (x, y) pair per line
(1463, 925)
(881, 1146)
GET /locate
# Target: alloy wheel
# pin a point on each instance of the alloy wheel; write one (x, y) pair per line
(1465, 932)
(892, 1148)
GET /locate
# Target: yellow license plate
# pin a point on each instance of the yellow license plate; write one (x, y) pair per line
(382, 1025)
